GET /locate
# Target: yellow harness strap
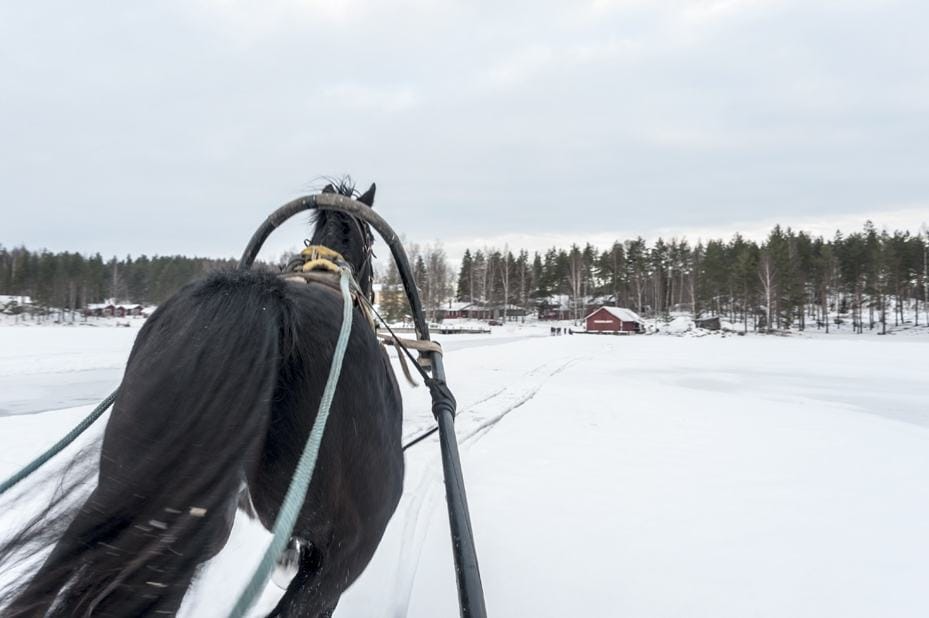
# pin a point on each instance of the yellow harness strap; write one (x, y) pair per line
(320, 257)
(320, 264)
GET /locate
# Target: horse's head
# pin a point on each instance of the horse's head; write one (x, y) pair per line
(348, 235)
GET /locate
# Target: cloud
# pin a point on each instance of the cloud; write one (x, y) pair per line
(521, 65)
(478, 120)
(538, 60)
(913, 218)
(705, 10)
(688, 9)
(371, 98)
(253, 22)
(276, 15)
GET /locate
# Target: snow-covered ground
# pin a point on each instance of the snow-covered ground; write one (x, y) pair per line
(611, 476)
(51, 367)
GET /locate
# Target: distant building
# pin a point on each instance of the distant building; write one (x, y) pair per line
(614, 320)
(100, 310)
(557, 307)
(113, 310)
(453, 310)
(123, 311)
(478, 311)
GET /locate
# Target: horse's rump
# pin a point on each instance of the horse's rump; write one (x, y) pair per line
(221, 388)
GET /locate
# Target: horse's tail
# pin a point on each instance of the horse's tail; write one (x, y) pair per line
(190, 417)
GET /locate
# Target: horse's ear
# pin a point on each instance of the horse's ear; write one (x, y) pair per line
(367, 197)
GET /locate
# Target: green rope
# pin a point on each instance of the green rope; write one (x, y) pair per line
(39, 461)
(300, 484)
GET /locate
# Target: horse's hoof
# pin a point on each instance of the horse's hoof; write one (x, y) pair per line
(288, 564)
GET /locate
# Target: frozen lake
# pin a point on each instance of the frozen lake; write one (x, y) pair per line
(50, 368)
(633, 476)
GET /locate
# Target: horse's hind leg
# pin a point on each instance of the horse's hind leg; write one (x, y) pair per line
(302, 593)
(326, 570)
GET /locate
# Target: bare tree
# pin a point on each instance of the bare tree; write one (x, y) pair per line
(575, 277)
(438, 275)
(768, 274)
(505, 276)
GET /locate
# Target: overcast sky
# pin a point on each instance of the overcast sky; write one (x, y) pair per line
(176, 127)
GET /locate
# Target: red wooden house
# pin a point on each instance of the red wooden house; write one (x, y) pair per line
(614, 320)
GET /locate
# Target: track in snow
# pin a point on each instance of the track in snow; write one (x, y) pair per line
(471, 424)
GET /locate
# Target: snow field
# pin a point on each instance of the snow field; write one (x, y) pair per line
(46, 368)
(628, 487)
(632, 476)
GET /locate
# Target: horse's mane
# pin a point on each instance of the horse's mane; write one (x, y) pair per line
(342, 185)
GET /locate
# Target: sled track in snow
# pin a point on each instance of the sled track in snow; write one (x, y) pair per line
(424, 430)
(468, 412)
(472, 424)
(482, 424)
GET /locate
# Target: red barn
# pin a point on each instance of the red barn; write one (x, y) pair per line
(613, 320)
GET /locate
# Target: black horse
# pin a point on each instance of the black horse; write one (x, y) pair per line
(219, 394)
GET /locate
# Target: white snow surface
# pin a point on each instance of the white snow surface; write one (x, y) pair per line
(610, 476)
(679, 326)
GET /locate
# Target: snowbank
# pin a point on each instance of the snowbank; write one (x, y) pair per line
(680, 326)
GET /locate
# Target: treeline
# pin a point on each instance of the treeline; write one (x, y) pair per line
(72, 281)
(788, 280)
(791, 279)
(434, 279)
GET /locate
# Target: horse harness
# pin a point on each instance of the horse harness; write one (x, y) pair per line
(320, 264)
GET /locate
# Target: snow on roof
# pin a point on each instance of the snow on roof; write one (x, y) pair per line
(114, 305)
(20, 300)
(456, 306)
(626, 315)
(562, 301)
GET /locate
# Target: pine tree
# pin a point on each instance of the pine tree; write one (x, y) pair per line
(465, 287)
(421, 276)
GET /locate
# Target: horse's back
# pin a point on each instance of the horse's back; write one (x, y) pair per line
(359, 474)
